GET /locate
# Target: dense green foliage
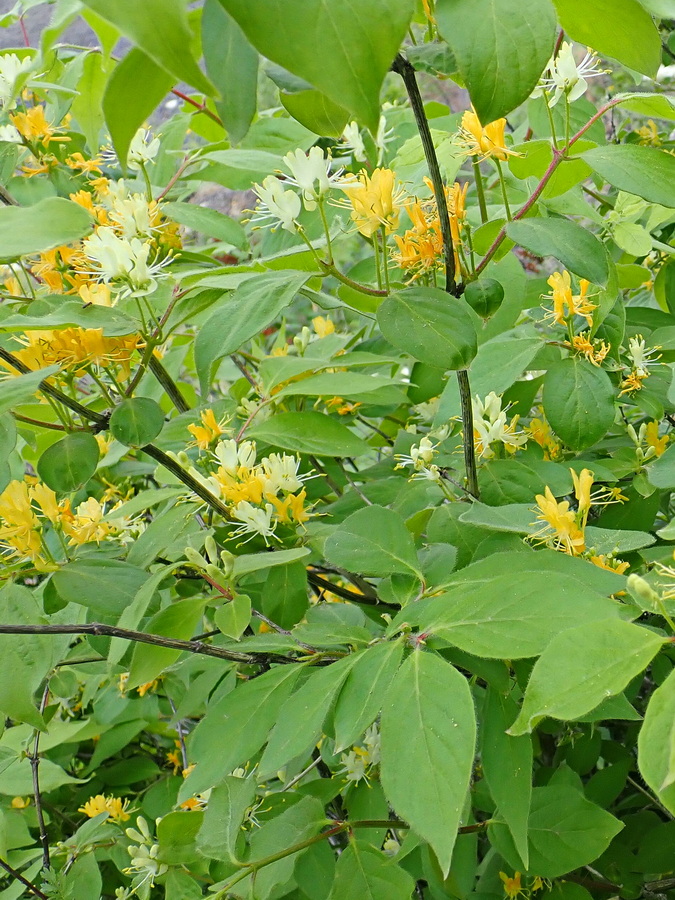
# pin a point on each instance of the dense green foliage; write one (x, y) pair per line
(337, 537)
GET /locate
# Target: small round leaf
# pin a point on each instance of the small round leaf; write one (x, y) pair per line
(69, 463)
(136, 422)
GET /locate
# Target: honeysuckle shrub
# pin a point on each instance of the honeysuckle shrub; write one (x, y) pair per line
(337, 535)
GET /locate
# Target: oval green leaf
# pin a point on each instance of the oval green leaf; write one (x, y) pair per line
(136, 422)
(43, 226)
(577, 249)
(373, 541)
(645, 171)
(309, 432)
(430, 325)
(69, 463)
(579, 402)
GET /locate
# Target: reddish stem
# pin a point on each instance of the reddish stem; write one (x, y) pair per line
(22, 25)
(200, 106)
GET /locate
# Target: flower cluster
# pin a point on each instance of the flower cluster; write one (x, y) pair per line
(564, 527)
(363, 757)
(641, 360)
(483, 141)
(564, 77)
(77, 349)
(491, 429)
(566, 305)
(114, 806)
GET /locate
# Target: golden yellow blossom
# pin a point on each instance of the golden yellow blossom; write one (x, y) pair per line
(609, 563)
(541, 433)
(595, 352)
(632, 383)
(19, 526)
(653, 440)
(291, 508)
(86, 166)
(193, 803)
(85, 199)
(512, 886)
(567, 535)
(341, 406)
(649, 134)
(114, 806)
(583, 482)
(565, 303)
(77, 348)
(483, 141)
(86, 525)
(20, 802)
(33, 126)
(375, 200)
(208, 431)
(323, 326)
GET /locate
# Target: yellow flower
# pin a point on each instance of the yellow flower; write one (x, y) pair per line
(87, 524)
(208, 431)
(32, 125)
(565, 303)
(80, 164)
(46, 500)
(96, 295)
(540, 432)
(632, 383)
(375, 200)
(609, 563)
(323, 326)
(20, 802)
(114, 806)
(291, 508)
(593, 353)
(653, 440)
(342, 407)
(193, 803)
(19, 526)
(558, 516)
(583, 482)
(649, 134)
(512, 886)
(485, 142)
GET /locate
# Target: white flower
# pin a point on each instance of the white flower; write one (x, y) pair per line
(233, 456)
(132, 215)
(123, 263)
(311, 173)
(354, 765)
(142, 150)
(277, 204)
(490, 426)
(11, 68)
(642, 358)
(255, 520)
(565, 76)
(9, 134)
(420, 456)
(281, 473)
(372, 741)
(352, 142)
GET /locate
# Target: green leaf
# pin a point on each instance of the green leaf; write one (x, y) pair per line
(507, 766)
(430, 325)
(358, 43)
(509, 616)
(32, 229)
(308, 432)
(230, 60)
(577, 248)
(17, 389)
(661, 472)
(364, 873)
(579, 402)
(301, 718)
(361, 698)
(566, 831)
(207, 221)
(658, 106)
(178, 620)
(656, 743)
(8, 436)
(316, 111)
(228, 804)
(582, 667)
(125, 108)
(428, 734)
(107, 586)
(254, 562)
(69, 463)
(621, 29)
(373, 541)
(251, 308)
(67, 312)
(501, 48)
(645, 171)
(233, 618)
(136, 421)
(176, 836)
(238, 724)
(86, 106)
(160, 29)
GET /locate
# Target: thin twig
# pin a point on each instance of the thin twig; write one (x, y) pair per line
(53, 425)
(19, 877)
(199, 106)
(325, 585)
(35, 768)
(99, 629)
(172, 390)
(244, 371)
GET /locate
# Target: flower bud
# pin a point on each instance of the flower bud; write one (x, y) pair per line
(227, 560)
(195, 558)
(642, 592)
(211, 549)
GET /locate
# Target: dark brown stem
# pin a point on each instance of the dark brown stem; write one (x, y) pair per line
(35, 768)
(244, 371)
(325, 585)
(24, 881)
(195, 486)
(98, 629)
(6, 197)
(171, 388)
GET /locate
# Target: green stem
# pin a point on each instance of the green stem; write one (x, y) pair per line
(324, 222)
(148, 184)
(567, 125)
(385, 260)
(480, 190)
(502, 183)
(345, 279)
(172, 390)
(467, 432)
(378, 270)
(551, 123)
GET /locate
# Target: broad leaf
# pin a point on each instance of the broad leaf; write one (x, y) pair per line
(430, 325)
(645, 171)
(308, 432)
(428, 733)
(582, 667)
(32, 229)
(176, 621)
(656, 743)
(501, 48)
(577, 248)
(358, 43)
(136, 421)
(69, 463)
(578, 402)
(17, 389)
(373, 541)
(207, 221)
(107, 586)
(224, 816)
(364, 873)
